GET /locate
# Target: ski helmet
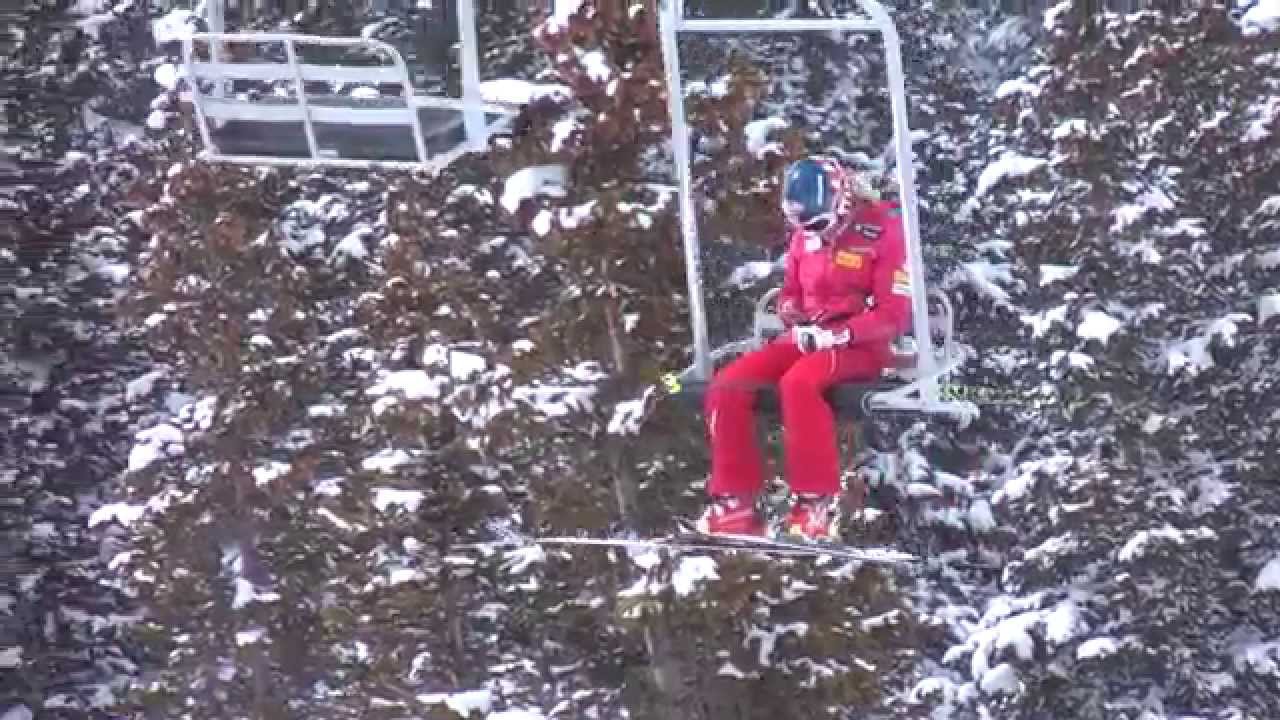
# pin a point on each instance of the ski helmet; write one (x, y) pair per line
(817, 195)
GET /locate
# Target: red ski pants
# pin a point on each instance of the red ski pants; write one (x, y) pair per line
(810, 450)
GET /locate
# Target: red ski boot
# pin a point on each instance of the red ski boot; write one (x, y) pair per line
(731, 515)
(814, 517)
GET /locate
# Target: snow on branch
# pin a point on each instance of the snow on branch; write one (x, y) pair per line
(629, 416)
(1018, 86)
(1143, 540)
(528, 183)
(1269, 578)
(514, 91)
(1097, 325)
(176, 26)
(1263, 17)
(757, 134)
(1010, 165)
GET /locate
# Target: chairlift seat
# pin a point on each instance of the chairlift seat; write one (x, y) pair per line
(849, 401)
(766, 324)
(442, 131)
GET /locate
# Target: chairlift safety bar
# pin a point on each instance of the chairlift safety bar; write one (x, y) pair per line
(672, 24)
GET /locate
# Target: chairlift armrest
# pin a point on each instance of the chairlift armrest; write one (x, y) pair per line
(762, 305)
(947, 316)
(765, 319)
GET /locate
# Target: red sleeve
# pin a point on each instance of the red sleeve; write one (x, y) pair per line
(790, 299)
(890, 315)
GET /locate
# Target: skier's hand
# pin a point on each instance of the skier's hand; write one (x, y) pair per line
(811, 338)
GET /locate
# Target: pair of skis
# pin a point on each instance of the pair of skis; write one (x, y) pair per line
(692, 539)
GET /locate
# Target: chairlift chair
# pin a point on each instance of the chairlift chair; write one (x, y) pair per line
(917, 381)
(295, 124)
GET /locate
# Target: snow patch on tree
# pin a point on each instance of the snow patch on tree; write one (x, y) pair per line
(174, 26)
(1269, 577)
(1143, 541)
(515, 91)
(1000, 680)
(1097, 648)
(528, 183)
(1010, 165)
(691, 572)
(1098, 325)
(463, 703)
(758, 134)
(155, 444)
(1260, 17)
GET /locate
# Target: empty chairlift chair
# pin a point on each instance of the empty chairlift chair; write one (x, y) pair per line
(291, 99)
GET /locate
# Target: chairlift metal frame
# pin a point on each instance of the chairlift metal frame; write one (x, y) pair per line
(922, 392)
(214, 107)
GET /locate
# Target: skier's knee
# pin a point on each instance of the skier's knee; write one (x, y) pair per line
(798, 383)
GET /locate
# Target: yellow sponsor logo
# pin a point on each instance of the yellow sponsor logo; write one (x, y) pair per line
(851, 260)
(901, 282)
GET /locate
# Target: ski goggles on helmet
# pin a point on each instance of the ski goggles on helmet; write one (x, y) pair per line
(818, 224)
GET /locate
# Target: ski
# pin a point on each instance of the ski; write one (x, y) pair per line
(813, 547)
(672, 543)
(694, 540)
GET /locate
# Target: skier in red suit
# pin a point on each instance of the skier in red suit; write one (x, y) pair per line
(845, 298)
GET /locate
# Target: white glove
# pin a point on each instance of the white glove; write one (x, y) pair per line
(810, 338)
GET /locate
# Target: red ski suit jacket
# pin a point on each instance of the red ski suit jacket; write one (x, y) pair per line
(866, 263)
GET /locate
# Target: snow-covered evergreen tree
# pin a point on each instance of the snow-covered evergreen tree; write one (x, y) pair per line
(82, 67)
(67, 373)
(296, 518)
(1133, 170)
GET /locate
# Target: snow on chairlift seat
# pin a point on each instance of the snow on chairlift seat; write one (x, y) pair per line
(355, 122)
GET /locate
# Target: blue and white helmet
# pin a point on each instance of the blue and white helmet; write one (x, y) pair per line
(817, 196)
